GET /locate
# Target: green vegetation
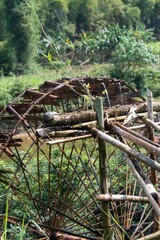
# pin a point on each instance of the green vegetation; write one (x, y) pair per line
(51, 39)
(59, 34)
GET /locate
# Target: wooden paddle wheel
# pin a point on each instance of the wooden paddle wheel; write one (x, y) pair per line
(81, 159)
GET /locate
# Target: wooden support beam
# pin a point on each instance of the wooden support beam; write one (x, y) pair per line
(121, 198)
(103, 170)
(151, 136)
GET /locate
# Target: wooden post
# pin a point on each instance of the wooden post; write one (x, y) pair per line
(103, 170)
(151, 133)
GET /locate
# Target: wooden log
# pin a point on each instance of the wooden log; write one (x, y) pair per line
(130, 151)
(124, 110)
(150, 236)
(87, 116)
(71, 118)
(113, 119)
(121, 198)
(145, 144)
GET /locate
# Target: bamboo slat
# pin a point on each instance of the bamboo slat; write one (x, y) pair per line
(145, 144)
(69, 139)
(121, 198)
(130, 151)
(150, 236)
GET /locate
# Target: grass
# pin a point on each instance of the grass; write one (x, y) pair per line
(13, 85)
(4, 235)
(70, 71)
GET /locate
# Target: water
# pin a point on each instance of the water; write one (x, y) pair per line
(106, 93)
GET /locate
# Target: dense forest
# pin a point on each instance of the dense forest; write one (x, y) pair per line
(54, 33)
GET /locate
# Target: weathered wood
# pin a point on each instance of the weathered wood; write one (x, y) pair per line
(129, 130)
(150, 236)
(121, 198)
(45, 132)
(130, 151)
(151, 134)
(62, 236)
(145, 144)
(71, 118)
(150, 123)
(33, 93)
(147, 188)
(10, 109)
(87, 116)
(105, 213)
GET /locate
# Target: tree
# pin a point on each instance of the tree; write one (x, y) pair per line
(146, 7)
(22, 30)
(131, 58)
(155, 18)
(3, 21)
(84, 13)
(56, 20)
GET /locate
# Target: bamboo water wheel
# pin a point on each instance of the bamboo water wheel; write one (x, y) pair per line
(81, 160)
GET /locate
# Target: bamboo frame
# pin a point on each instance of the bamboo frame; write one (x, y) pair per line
(80, 126)
(121, 198)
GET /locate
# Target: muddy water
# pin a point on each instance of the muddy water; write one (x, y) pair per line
(25, 145)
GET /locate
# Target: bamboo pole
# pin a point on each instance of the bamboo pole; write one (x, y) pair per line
(45, 132)
(130, 151)
(121, 198)
(129, 130)
(150, 236)
(147, 188)
(152, 124)
(10, 109)
(69, 139)
(103, 170)
(151, 133)
(148, 146)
